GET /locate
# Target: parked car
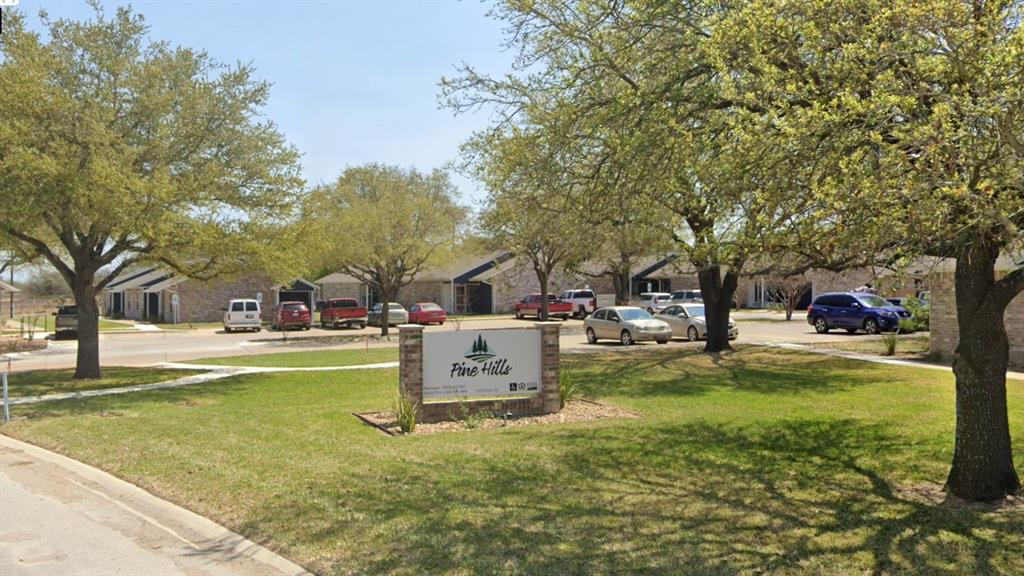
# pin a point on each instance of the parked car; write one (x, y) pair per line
(343, 312)
(291, 315)
(65, 322)
(584, 302)
(686, 297)
(653, 302)
(688, 320)
(427, 313)
(397, 314)
(242, 314)
(530, 306)
(627, 324)
(854, 311)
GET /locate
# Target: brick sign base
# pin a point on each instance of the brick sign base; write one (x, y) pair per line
(410, 380)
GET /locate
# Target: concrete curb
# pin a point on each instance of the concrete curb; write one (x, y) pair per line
(202, 533)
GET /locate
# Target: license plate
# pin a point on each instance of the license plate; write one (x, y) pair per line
(250, 316)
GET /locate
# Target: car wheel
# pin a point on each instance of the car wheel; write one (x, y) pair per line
(441, 323)
(626, 338)
(662, 341)
(650, 310)
(258, 329)
(323, 325)
(519, 315)
(820, 325)
(871, 326)
(228, 330)
(692, 334)
(591, 336)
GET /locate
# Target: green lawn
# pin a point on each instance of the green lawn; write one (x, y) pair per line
(41, 382)
(108, 325)
(758, 461)
(307, 359)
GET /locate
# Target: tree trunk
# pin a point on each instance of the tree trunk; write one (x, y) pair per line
(543, 279)
(621, 282)
(88, 361)
(388, 295)
(717, 293)
(982, 457)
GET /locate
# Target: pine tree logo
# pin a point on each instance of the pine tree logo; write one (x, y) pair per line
(479, 351)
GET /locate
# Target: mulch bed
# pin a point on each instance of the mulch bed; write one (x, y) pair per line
(575, 411)
(17, 344)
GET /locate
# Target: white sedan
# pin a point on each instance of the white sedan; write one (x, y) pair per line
(687, 320)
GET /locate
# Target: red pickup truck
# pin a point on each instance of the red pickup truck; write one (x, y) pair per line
(530, 306)
(343, 312)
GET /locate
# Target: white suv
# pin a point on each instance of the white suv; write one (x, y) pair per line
(653, 302)
(242, 315)
(583, 301)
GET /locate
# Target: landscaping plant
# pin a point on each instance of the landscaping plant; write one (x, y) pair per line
(889, 344)
(405, 413)
(568, 390)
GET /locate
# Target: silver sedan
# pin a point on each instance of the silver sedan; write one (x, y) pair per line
(687, 320)
(397, 314)
(627, 324)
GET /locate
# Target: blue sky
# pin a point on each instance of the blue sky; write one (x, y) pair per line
(354, 82)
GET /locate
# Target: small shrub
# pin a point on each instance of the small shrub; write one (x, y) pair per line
(919, 312)
(405, 413)
(907, 326)
(889, 344)
(567, 389)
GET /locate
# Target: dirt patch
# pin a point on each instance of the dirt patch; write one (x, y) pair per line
(575, 411)
(933, 494)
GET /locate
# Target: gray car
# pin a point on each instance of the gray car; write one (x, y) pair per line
(627, 324)
(688, 321)
(397, 314)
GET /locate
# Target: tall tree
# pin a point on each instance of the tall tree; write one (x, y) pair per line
(627, 91)
(916, 113)
(530, 209)
(395, 223)
(115, 150)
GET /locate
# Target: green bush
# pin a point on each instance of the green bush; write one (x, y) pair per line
(405, 413)
(919, 312)
(567, 389)
(907, 326)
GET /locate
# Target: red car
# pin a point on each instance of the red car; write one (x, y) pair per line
(426, 313)
(291, 315)
(530, 306)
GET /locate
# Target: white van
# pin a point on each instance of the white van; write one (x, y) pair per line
(242, 315)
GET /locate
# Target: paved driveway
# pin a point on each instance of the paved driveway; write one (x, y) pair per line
(147, 348)
(64, 517)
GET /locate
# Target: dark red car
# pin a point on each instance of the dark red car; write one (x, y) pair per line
(427, 313)
(291, 315)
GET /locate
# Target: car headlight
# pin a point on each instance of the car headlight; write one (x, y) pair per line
(888, 314)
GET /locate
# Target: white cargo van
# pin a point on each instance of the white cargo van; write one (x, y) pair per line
(242, 315)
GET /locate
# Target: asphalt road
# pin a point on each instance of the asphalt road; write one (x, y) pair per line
(147, 348)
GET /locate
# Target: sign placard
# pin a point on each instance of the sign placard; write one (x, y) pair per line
(481, 364)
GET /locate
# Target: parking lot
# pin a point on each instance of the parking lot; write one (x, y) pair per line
(147, 348)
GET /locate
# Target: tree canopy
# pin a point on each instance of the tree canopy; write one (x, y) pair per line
(383, 225)
(116, 150)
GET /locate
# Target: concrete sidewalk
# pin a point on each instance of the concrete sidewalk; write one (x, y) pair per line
(63, 517)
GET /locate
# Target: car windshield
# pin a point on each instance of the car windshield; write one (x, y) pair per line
(694, 310)
(294, 306)
(429, 307)
(664, 298)
(67, 310)
(633, 314)
(874, 301)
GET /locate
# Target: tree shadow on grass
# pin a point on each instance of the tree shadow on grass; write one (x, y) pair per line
(692, 372)
(792, 496)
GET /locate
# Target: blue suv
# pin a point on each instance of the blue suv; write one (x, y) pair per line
(854, 311)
